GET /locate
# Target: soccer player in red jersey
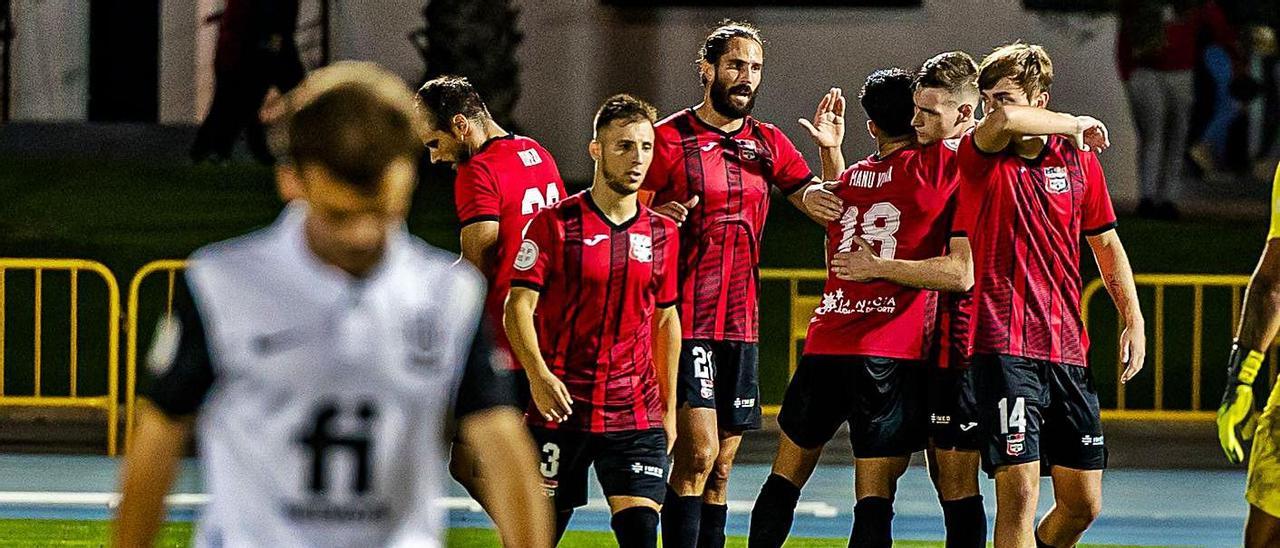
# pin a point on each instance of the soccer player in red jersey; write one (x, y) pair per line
(946, 100)
(502, 180)
(712, 171)
(1032, 186)
(592, 318)
(864, 356)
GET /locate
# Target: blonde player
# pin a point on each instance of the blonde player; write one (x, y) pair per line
(1258, 324)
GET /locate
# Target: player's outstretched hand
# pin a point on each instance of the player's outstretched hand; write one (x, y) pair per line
(1091, 134)
(677, 211)
(827, 127)
(1236, 420)
(860, 265)
(821, 201)
(551, 397)
(1133, 345)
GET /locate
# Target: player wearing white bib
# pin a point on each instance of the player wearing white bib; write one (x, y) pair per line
(321, 360)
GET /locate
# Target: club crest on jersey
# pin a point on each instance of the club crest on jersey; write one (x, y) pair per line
(1015, 444)
(642, 248)
(1055, 180)
(527, 255)
(747, 149)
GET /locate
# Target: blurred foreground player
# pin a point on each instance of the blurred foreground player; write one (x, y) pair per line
(713, 169)
(503, 179)
(592, 317)
(320, 360)
(1259, 321)
(1028, 194)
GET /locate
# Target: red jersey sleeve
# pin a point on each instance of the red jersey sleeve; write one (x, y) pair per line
(669, 281)
(974, 166)
(789, 171)
(1097, 214)
(539, 252)
(476, 194)
(666, 150)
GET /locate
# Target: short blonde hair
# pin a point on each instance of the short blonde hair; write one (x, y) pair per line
(1027, 65)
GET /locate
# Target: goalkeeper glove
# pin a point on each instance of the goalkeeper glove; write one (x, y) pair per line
(1236, 415)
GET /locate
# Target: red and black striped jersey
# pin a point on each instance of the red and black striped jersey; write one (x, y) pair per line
(1024, 219)
(901, 204)
(731, 174)
(600, 284)
(508, 180)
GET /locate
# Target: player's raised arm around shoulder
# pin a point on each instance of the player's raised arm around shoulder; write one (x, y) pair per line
(1008, 122)
(489, 421)
(184, 375)
(950, 272)
(1117, 275)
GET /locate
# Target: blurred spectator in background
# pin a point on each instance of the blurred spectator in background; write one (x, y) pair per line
(1157, 52)
(256, 51)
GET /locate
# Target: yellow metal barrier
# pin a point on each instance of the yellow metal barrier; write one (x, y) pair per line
(1156, 360)
(108, 403)
(171, 267)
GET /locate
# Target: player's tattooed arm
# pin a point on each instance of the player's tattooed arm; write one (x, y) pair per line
(950, 272)
(1009, 122)
(480, 244)
(549, 393)
(1113, 264)
(666, 360)
(155, 450)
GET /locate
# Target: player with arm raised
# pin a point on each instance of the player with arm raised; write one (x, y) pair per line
(503, 179)
(319, 360)
(1031, 186)
(713, 169)
(592, 318)
(1259, 320)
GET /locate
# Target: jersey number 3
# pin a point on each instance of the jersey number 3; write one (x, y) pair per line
(878, 224)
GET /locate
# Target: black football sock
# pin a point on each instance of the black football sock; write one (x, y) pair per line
(680, 518)
(711, 525)
(636, 527)
(773, 513)
(872, 523)
(966, 521)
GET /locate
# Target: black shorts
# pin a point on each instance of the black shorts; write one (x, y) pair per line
(882, 399)
(628, 464)
(952, 404)
(721, 375)
(1036, 410)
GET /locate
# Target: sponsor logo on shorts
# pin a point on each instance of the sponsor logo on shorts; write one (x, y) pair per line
(967, 427)
(940, 419)
(739, 403)
(1015, 444)
(1091, 440)
(646, 469)
(549, 487)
